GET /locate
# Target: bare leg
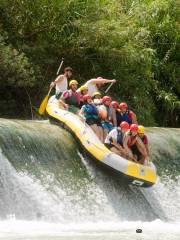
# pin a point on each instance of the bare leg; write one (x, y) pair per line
(130, 155)
(101, 134)
(105, 132)
(115, 150)
(120, 152)
(94, 128)
(143, 153)
(124, 154)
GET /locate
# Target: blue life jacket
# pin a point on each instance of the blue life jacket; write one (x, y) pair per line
(123, 117)
(90, 111)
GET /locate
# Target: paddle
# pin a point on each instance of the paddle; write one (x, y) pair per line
(44, 102)
(109, 87)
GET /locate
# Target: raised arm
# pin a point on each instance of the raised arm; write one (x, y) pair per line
(102, 80)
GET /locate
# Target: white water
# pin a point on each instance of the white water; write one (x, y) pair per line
(166, 194)
(157, 229)
(92, 208)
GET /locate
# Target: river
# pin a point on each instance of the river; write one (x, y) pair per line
(50, 190)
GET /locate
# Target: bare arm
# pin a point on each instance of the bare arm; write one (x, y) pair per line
(59, 78)
(141, 146)
(134, 118)
(127, 149)
(125, 142)
(147, 149)
(114, 119)
(62, 102)
(117, 145)
(81, 114)
(102, 80)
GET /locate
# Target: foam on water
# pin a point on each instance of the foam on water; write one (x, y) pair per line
(49, 189)
(12, 228)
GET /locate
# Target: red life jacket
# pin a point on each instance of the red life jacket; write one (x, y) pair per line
(72, 98)
(132, 139)
(144, 140)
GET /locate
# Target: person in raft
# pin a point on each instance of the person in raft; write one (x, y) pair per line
(97, 98)
(95, 83)
(83, 90)
(134, 146)
(61, 82)
(70, 99)
(89, 112)
(115, 139)
(124, 114)
(107, 115)
(114, 110)
(143, 137)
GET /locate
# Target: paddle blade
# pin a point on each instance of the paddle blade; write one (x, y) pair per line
(43, 105)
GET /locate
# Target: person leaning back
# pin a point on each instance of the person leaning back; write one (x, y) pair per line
(61, 82)
(96, 83)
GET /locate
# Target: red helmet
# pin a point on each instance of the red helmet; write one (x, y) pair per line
(86, 97)
(123, 105)
(115, 104)
(106, 98)
(134, 127)
(124, 125)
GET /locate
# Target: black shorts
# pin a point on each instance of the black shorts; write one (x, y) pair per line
(136, 151)
(92, 121)
(58, 95)
(108, 145)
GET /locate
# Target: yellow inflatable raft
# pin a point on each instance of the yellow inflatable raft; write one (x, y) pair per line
(133, 173)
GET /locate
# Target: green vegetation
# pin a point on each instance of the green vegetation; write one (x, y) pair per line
(134, 41)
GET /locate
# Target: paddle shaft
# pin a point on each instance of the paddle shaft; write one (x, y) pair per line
(59, 68)
(49, 91)
(43, 105)
(109, 87)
